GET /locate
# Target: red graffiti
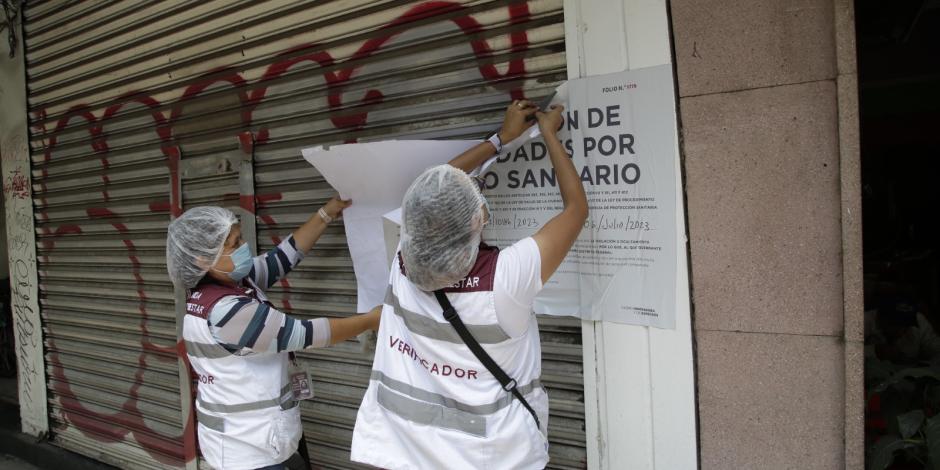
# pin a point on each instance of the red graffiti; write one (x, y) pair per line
(349, 115)
(17, 185)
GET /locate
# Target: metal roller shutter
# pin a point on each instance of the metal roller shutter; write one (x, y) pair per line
(140, 109)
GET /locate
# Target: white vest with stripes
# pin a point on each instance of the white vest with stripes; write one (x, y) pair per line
(244, 406)
(430, 403)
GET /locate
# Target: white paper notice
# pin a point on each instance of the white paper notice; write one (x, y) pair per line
(375, 176)
(620, 131)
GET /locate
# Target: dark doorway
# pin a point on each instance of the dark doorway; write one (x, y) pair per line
(8, 390)
(899, 109)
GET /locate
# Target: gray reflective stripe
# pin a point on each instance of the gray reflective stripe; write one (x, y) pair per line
(430, 414)
(286, 402)
(206, 350)
(424, 326)
(215, 423)
(424, 395)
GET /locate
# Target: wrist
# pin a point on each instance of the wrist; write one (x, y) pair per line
(496, 142)
(504, 137)
(325, 216)
(548, 134)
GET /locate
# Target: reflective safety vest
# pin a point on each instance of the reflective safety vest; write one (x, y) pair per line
(430, 403)
(244, 405)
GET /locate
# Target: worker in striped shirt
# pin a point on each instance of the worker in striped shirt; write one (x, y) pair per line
(240, 346)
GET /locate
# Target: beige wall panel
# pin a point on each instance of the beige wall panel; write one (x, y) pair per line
(770, 401)
(762, 179)
(726, 45)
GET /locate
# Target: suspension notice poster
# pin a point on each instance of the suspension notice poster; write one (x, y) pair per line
(620, 130)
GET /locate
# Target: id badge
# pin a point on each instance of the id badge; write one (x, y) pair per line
(300, 382)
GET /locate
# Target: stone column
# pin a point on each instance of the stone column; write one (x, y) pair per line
(770, 142)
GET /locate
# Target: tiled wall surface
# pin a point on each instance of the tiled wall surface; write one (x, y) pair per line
(770, 148)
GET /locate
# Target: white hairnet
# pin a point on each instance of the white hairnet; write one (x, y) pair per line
(442, 222)
(194, 243)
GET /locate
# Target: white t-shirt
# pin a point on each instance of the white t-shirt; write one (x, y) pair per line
(517, 281)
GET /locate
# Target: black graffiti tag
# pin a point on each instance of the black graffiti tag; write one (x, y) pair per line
(22, 257)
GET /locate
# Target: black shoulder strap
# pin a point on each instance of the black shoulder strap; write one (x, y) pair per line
(508, 384)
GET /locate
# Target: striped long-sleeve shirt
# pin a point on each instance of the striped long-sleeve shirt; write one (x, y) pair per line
(246, 325)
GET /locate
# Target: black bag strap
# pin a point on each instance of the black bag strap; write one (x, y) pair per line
(508, 384)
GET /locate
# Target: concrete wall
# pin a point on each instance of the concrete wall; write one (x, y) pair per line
(21, 239)
(11, 88)
(768, 122)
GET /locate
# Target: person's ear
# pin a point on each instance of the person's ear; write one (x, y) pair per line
(479, 219)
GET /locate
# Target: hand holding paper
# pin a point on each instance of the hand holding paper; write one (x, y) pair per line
(516, 120)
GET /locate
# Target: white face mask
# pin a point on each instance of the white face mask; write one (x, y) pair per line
(241, 258)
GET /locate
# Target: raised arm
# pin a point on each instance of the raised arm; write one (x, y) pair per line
(558, 235)
(271, 266)
(310, 231)
(514, 123)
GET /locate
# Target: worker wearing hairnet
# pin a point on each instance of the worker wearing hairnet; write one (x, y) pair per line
(241, 346)
(432, 402)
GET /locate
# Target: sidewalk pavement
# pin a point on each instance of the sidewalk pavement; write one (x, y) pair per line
(21, 451)
(9, 462)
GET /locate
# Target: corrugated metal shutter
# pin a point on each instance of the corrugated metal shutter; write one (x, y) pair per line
(131, 101)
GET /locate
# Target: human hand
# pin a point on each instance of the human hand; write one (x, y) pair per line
(514, 123)
(375, 316)
(550, 122)
(334, 207)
